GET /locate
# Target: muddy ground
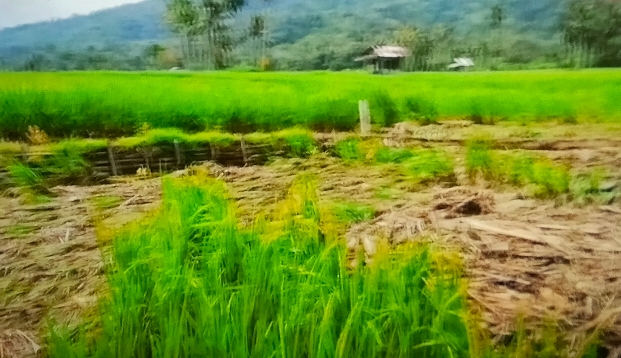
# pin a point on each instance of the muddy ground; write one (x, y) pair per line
(522, 256)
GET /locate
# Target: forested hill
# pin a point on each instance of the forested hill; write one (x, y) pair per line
(332, 28)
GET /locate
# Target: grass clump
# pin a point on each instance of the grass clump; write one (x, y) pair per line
(591, 188)
(104, 202)
(479, 160)
(191, 282)
(20, 230)
(540, 176)
(299, 143)
(350, 149)
(545, 178)
(24, 176)
(384, 111)
(420, 165)
(427, 165)
(66, 165)
(392, 155)
(353, 213)
(422, 110)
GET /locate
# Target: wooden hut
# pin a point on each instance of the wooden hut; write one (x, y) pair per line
(384, 57)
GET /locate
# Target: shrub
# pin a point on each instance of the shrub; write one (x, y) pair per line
(349, 149)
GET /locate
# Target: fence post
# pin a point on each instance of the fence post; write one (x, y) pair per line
(146, 153)
(213, 152)
(243, 149)
(177, 153)
(365, 117)
(25, 152)
(111, 158)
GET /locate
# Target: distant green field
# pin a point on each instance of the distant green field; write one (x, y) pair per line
(110, 104)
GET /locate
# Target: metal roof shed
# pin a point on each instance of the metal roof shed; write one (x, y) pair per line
(384, 57)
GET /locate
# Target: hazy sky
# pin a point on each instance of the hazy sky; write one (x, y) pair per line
(17, 12)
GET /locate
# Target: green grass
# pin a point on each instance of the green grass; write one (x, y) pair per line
(111, 104)
(20, 230)
(352, 213)
(104, 202)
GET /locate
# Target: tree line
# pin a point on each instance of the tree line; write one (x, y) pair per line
(592, 33)
(218, 34)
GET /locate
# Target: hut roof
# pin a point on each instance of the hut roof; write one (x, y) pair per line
(384, 52)
(461, 62)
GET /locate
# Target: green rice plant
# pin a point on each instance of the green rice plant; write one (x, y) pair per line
(33, 187)
(190, 282)
(20, 230)
(393, 155)
(420, 165)
(352, 213)
(387, 193)
(591, 188)
(25, 176)
(479, 159)
(83, 145)
(66, 165)
(547, 341)
(349, 149)
(219, 139)
(421, 110)
(428, 165)
(384, 110)
(112, 104)
(544, 178)
(153, 137)
(300, 143)
(551, 180)
(104, 202)
(519, 169)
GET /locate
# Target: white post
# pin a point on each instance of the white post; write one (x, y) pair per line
(365, 117)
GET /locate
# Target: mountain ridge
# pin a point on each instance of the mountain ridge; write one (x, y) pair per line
(295, 25)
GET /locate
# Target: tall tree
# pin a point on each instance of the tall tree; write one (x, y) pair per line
(408, 37)
(592, 32)
(497, 18)
(203, 29)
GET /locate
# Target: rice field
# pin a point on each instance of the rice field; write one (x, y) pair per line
(458, 239)
(110, 104)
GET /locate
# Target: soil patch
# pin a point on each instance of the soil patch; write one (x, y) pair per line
(51, 262)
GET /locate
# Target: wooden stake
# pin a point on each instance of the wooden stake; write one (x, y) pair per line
(177, 153)
(243, 149)
(147, 153)
(365, 117)
(213, 152)
(111, 157)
